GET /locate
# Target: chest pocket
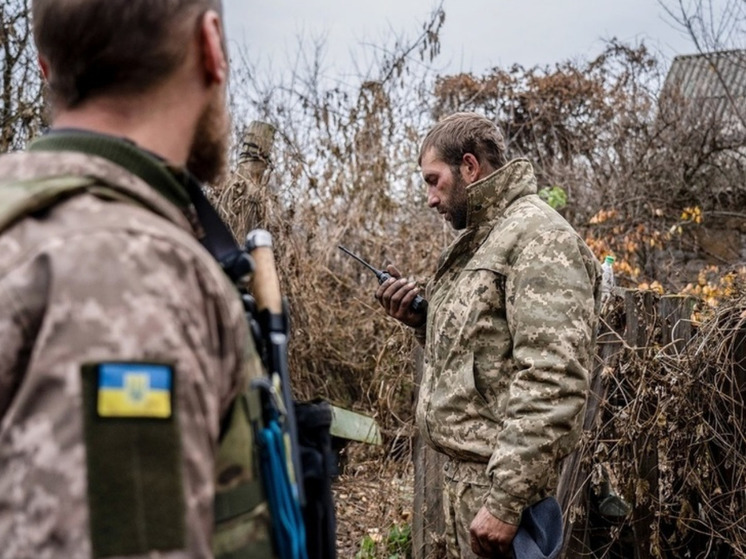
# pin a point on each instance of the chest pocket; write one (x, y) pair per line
(486, 327)
(483, 281)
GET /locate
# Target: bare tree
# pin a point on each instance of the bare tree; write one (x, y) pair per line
(21, 85)
(715, 26)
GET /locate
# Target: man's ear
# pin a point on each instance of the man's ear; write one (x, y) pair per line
(214, 57)
(44, 66)
(470, 168)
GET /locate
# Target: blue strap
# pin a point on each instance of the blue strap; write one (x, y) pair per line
(287, 520)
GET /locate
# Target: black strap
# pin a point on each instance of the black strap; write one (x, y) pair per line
(218, 239)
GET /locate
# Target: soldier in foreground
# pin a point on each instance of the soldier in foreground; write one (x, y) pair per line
(508, 335)
(123, 343)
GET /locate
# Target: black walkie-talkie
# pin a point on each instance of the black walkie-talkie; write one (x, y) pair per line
(419, 304)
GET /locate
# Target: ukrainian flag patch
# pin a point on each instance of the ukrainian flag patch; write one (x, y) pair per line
(134, 390)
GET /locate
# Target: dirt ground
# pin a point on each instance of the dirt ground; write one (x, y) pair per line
(373, 496)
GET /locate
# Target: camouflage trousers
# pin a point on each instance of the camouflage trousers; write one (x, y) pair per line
(461, 501)
(465, 488)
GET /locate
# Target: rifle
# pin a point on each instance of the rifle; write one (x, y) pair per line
(280, 452)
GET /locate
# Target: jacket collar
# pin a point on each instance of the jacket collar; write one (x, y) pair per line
(116, 162)
(487, 198)
(151, 168)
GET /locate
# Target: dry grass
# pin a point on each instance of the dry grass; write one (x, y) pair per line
(372, 496)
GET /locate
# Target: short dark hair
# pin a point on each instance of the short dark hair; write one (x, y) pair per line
(98, 47)
(462, 133)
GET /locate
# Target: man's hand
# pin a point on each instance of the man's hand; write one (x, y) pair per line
(490, 536)
(396, 295)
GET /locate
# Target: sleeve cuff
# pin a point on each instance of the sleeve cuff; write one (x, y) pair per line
(504, 506)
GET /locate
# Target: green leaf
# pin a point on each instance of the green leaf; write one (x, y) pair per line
(555, 196)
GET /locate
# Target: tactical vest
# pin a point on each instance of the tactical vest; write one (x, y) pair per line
(242, 519)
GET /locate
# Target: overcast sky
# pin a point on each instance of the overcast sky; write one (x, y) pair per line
(477, 35)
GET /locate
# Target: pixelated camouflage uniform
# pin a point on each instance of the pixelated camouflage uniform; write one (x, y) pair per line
(93, 280)
(508, 344)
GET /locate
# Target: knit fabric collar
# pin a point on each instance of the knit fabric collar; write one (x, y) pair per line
(147, 166)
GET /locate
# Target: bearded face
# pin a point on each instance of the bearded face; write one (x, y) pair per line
(208, 155)
(458, 204)
(446, 188)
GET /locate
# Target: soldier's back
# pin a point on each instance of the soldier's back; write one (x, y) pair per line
(122, 348)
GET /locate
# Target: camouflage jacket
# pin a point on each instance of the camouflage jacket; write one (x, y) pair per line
(96, 280)
(508, 341)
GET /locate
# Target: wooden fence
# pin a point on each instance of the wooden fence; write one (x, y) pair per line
(631, 325)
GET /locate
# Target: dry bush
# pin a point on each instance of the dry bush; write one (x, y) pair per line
(670, 441)
(717, 476)
(344, 172)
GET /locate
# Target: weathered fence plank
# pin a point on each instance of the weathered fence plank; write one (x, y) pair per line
(573, 489)
(255, 151)
(428, 518)
(675, 319)
(640, 312)
(244, 202)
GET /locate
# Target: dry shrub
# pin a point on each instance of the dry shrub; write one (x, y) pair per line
(344, 172)
(671, 441)
(717, 476)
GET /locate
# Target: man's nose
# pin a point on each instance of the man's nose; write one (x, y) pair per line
(432, 198)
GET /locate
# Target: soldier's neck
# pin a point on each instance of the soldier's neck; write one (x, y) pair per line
(154, 123)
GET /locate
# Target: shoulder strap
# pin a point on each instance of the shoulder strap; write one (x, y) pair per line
(19, 198)
(24, 197)
(218, 239)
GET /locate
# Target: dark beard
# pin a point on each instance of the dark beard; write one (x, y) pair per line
(459, 203)
(208, 155)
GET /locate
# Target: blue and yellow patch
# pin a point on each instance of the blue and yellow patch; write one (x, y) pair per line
(134, 390)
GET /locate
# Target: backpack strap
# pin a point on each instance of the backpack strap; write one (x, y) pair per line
(242, 516)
